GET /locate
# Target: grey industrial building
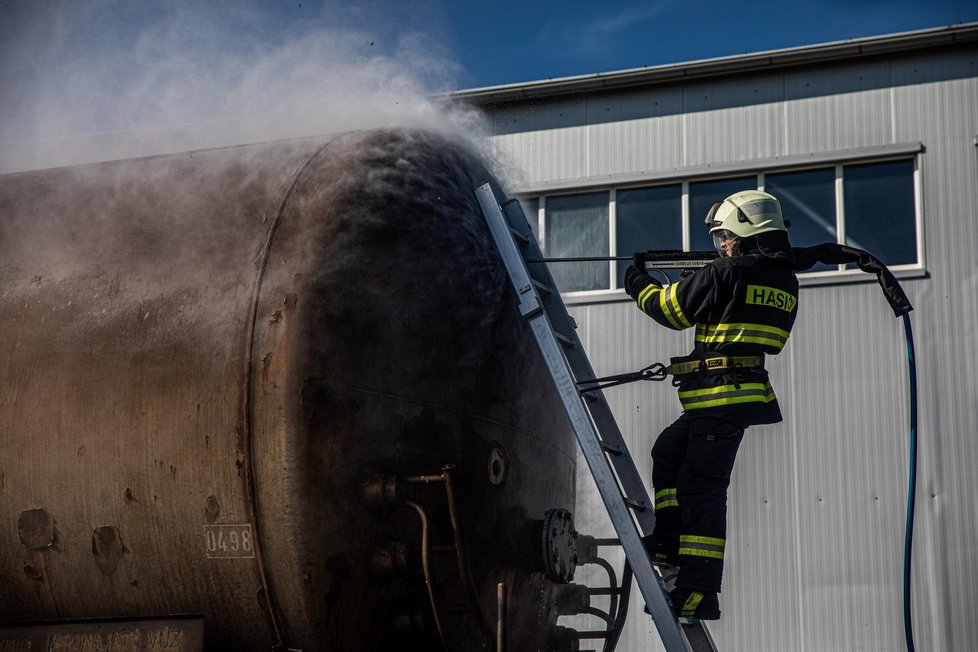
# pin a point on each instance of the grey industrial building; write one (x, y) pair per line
(869, 142)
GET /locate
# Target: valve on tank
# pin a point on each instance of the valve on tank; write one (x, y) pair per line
(563, 550)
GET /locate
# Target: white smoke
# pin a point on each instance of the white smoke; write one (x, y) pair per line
(86, 81)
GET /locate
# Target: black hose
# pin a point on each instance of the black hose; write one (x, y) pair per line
(912, 488)
(626, 589)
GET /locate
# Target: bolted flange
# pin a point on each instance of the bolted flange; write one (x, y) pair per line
(559, 545)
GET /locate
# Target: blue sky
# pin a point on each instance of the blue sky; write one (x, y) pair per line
(91, 66)
(541, 42)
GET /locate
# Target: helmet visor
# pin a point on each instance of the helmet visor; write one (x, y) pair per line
(711, 221)
(719, 237)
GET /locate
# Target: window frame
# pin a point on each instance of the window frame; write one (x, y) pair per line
(759, 169)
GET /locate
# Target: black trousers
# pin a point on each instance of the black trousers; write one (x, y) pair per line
(691, 464)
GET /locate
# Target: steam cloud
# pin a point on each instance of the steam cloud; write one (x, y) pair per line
(81, 82)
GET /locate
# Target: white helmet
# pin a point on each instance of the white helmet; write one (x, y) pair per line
(744, 214)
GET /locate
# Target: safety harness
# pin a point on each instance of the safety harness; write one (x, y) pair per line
(677, 367)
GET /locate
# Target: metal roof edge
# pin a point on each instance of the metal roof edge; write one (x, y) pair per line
(860, 47)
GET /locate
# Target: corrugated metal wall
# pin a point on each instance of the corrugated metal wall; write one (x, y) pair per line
(817, 503)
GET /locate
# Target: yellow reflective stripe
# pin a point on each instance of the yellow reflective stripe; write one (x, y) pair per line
(664, 307)
(701, 332)
(726, 395)
(741, 334)
(669, 305)
(644, 295)
(674, 302)
(688, 608)
(697, 546)
(729, 330)
(666, 498)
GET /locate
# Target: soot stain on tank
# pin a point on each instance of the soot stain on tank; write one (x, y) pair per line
(335, 574)
(107, 548)
(403, 321)
(415, 292)
(212, 509)
(37, 529)
(407, 260)
(321, 402)
(396, 347)
(396, 337)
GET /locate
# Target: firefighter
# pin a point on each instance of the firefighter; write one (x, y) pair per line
(742, 307)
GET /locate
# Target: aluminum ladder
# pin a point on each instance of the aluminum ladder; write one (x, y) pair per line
(601, 442)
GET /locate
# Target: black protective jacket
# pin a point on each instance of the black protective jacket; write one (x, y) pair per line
(740, 306)
(745, 306)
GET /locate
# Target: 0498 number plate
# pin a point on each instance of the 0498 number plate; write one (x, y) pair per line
(229, 541)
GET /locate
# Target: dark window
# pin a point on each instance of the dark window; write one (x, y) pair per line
(808, 202)
(879, 205)
(648, 218)
(702, 196)
(577, 225)
(879, 210)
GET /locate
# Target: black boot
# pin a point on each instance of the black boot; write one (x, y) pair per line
(665, 563)
(658, 552)
(687, 603)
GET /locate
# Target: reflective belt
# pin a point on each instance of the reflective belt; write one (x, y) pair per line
(701, 546)
(726, 395)
(666, 498)
(742, 334)
(715, 363)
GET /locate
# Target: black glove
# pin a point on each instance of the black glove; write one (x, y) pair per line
(637, 280)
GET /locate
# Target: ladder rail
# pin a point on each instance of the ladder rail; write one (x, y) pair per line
(593, 423)
(600, 411)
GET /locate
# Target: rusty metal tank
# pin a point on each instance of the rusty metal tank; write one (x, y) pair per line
(281, 388)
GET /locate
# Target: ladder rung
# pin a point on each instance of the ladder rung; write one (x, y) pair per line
(637, 505)
(542, 288)
(612, 449)
(520, 238)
